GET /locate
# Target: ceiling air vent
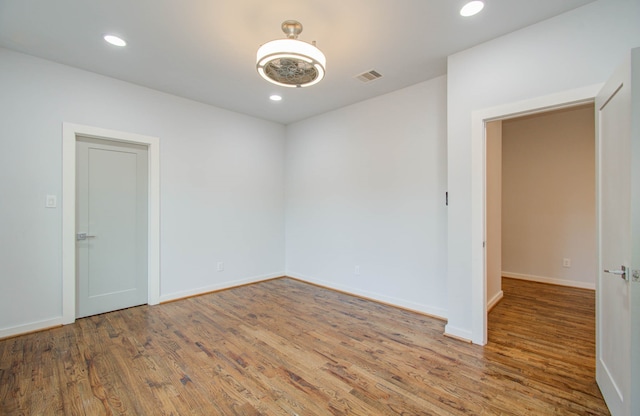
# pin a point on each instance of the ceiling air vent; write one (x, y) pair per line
(369, 76)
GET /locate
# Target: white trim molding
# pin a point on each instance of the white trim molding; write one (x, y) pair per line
(219, 286)
(458, 333)
(550, 280)
(494, 301)
(376, 297)
(32, 327)
(70, 133)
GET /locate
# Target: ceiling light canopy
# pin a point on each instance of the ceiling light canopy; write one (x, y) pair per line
(471, 8)
(291, 62)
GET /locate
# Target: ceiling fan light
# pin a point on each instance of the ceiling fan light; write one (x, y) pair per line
(291, 62)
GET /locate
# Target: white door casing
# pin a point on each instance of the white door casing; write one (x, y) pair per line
(479, 118)
(111, 230)
(71, 133)
(635, 233)
(617, 293)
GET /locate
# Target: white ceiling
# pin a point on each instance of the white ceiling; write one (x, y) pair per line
(205, 49)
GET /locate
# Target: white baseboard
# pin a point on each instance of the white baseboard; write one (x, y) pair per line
(55, 322)
(494, 301)
(401, 303)
(218, 286)
(32, 327)
(550, 280)
(457, 333)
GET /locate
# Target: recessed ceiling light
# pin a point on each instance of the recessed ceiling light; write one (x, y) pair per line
(275, 97)
(471, 8)
(115, 40)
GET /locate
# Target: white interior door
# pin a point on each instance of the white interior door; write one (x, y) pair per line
(111, 226)
(617, 346)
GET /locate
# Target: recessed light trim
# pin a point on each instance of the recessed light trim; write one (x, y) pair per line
(275, 97)
(471, 8)
(115, 40)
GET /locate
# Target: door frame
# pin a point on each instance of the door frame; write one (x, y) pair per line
(479, 118)
(70, 134)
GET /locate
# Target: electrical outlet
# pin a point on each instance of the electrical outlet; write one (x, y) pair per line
(220, 266)
(566, 262)
(51, 202)
(356, 270)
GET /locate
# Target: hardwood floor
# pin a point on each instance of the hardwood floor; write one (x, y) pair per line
(284, 347)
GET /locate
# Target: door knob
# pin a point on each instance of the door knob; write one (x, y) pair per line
(83, 236)
(622, 272)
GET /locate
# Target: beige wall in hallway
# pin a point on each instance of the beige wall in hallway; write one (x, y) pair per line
(548, 197)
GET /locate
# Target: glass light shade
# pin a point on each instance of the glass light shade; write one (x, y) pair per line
(291, 63)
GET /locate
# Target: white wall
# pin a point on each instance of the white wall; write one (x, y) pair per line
(222, 184)
(549, 197)
(365, 186)
(573, 50)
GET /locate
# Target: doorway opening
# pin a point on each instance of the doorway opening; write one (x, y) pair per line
(540, 199)
(541, 204)
(71, 134)
(480, 118)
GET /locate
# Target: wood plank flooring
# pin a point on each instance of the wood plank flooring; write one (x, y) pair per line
(284, 347)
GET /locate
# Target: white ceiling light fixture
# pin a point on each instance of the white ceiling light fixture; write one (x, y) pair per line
(275, 97)
(291, 62)
(115, 40)
(471, 8)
